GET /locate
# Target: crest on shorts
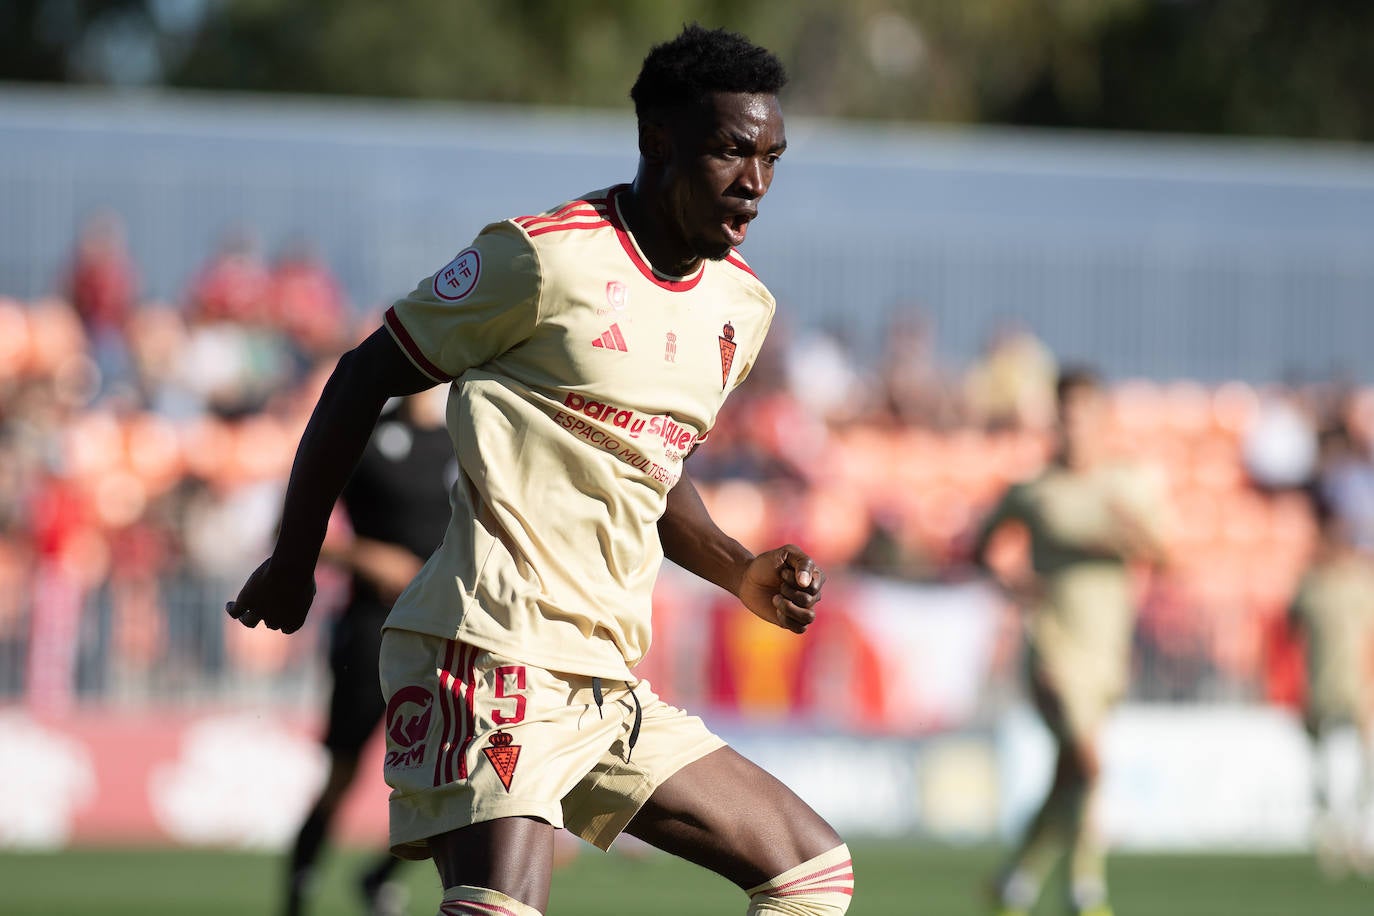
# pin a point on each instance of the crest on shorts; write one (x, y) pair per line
(727, 353)
(407, 726)
(503, 756)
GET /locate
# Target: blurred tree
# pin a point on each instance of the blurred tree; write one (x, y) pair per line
(1278, 67)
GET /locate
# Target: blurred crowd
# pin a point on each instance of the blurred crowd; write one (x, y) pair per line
(144, 445)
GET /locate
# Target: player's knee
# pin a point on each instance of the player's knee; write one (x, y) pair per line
(1086, 761)
(822, 886)
(466, 900)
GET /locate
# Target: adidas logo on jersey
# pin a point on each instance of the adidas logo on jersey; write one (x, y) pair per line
(612, 340)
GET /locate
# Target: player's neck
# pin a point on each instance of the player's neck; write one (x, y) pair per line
(647, 221)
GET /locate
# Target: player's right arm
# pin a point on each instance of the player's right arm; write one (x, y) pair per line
(279, 592)
(1010, 509)
(1006, 510)
(387, 568)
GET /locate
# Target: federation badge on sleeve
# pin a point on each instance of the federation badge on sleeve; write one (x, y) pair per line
(458, 277)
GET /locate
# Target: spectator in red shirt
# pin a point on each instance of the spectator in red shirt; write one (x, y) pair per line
(306, 302)
(101, 281)
(234, 286)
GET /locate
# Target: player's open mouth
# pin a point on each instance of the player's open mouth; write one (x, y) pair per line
(737, 226)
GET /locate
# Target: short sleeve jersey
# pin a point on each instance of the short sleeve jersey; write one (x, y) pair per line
(582, 378)
(1084, 621)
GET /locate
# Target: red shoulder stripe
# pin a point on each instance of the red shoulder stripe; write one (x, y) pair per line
(556, 214)
(532, 221)
(571, 224)
(738, 261)
(576, 208)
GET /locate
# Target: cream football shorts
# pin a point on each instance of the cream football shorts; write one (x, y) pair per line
(472, 736)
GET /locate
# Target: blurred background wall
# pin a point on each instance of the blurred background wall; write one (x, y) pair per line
(1163, 257)
(203, 203)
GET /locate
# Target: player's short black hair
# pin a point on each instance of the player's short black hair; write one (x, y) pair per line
(679, 74)
(1075, 378)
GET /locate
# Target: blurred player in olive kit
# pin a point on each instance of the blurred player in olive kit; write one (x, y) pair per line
(1087, 519)
(397, 505)
(589, 348)
(1333, 613)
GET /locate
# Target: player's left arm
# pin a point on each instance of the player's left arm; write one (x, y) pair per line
(781, 586)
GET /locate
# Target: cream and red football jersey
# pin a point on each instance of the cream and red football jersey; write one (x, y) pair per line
(581, 379)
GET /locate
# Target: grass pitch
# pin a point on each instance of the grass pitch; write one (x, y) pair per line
(894, 880)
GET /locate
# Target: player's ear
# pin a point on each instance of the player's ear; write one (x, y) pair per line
(654, 142)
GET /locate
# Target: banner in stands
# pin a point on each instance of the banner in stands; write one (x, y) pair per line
(234, 778)
(871, 718)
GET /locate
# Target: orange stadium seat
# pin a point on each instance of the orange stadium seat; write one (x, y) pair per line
(1197, 516)
(1187, 408)
(206, 444)
(262, 449)
(740, 508)
(1214, 462)
(1138, 406)
(836, 526)
(93, 444)
(118, 497)
(153, 451)
(1244, 520)
(14, 337)
(1234, 406)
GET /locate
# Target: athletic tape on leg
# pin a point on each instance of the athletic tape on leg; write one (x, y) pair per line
(466, 900)
(821, 887)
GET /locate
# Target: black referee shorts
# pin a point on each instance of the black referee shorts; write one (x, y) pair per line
(356, 704)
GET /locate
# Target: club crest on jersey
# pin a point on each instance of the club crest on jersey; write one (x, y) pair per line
(503, 756)
(670, 348)
(617, 298)
(458, 277)
(727, 353)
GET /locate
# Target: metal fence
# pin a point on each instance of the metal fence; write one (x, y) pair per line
(1162, 258)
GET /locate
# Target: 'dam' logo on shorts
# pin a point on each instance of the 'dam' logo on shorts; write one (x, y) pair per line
(458, 277)
(407, 724)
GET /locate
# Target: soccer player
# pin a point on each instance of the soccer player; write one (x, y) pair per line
(588, 350)
(397, 505)
(1087, 519)
(1333, 612)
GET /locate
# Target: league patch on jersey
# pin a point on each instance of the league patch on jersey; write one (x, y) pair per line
(503, 756)
(407, 726)
(459, 276)
(727, 353)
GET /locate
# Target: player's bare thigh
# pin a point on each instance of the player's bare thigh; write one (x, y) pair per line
(513, 855)
(729, 815)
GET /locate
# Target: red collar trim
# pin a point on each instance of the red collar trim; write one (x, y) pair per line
(675, 284)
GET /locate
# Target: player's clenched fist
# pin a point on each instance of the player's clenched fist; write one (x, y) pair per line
(782, 586)
(277, 598)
